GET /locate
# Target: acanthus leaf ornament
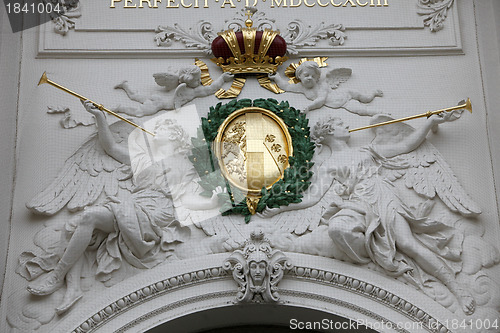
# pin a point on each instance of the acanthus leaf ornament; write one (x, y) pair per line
(199, 37)
(434, 12)
(65, 19)
(297, 34)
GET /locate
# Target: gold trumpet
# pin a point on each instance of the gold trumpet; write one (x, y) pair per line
(467, 105)
(45, 79)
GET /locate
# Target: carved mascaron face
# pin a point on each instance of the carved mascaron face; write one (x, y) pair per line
(257, 272)
(252, 147)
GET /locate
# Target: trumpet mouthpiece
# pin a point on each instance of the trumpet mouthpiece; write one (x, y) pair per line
(43, 79)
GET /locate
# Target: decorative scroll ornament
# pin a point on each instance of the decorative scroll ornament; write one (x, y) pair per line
(260, 21)
(297, 33)
(65, 20)
(199, 37)
(434, 12)
(257, 269)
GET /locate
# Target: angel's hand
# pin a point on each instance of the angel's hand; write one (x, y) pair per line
(337, 201)
(269, 212)
(91, 108)
(340, 203)
(218, 190)
(307, 109)
(215, 194)
(272, 76)
(446, 116)
(227, 77)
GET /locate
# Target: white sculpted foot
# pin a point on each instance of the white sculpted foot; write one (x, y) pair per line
(47, 285)
(70, 298)
(121, 85)
(467, 302)
(464, 298)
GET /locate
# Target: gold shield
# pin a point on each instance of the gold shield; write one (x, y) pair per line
(252, 147)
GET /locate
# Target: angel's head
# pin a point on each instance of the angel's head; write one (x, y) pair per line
(308, 73)
(169, 134)
(190, 75)
(330, 128)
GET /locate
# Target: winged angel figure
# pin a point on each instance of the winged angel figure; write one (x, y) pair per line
(323, 90)
(354, 199)
(187, 85)
(126, 218)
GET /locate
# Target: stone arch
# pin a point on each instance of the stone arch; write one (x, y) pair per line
(193, 287)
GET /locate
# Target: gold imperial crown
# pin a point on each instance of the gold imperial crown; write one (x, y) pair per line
(264, 50)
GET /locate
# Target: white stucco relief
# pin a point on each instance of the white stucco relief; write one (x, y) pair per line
(297, 33)
(354, 205)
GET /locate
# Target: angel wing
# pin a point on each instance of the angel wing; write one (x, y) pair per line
(169, 80)
(426, 172)
(87, 174)
(229, 228)
(337, 76)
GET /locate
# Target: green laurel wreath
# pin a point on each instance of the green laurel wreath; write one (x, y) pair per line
(285, 191)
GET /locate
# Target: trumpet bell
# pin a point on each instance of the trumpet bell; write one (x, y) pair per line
(468, 105)
(43, 79)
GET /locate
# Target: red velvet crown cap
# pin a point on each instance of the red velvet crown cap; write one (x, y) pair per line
(220, 48)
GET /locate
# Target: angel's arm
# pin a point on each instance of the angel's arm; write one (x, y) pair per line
(284, 84)
(216, 85)
(414, 140)
(319, 101)
(106, 138)
(194, 201)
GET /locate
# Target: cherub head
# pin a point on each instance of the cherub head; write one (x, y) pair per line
(190, 75)
(308, 73)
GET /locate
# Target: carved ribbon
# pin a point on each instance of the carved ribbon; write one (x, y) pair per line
(265, 82)
(233, 91)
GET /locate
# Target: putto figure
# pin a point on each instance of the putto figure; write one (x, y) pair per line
(187, 85)
(323, 91)
(257, 269)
